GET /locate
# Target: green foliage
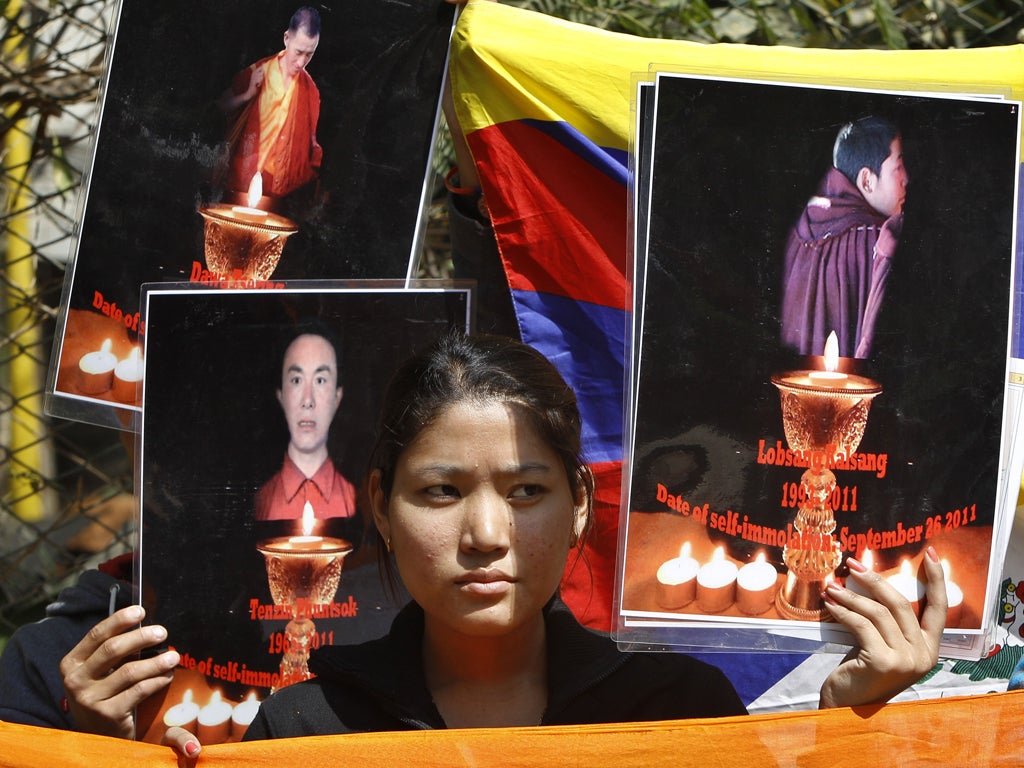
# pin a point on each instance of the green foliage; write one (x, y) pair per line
(888, 24)
(802, 23)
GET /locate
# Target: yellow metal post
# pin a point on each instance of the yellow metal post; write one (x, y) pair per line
(21, 322)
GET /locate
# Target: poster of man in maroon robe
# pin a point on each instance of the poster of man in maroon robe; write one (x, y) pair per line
(733, 425)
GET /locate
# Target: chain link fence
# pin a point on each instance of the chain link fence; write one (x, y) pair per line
(66, 488)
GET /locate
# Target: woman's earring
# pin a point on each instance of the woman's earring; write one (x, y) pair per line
(387, 543)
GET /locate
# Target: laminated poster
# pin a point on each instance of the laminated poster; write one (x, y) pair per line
(820, 361)
(256, 541)
(234, 148)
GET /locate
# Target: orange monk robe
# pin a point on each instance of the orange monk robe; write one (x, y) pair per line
(275, 133)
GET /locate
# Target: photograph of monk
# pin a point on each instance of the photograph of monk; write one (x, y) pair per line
(840, 250)
(273, 107)
(325, 111)
(886, 217)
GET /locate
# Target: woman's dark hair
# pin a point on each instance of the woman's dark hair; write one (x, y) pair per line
(479, 368)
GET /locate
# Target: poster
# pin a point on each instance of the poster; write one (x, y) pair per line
(343, 153)
(223, 492)
(712, 464)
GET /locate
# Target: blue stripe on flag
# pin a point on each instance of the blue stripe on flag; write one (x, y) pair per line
(586, 343)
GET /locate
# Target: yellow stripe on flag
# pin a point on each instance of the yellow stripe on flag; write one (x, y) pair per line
(511, 64)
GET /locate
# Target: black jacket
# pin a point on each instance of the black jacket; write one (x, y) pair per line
(380, 686)
(31, 686)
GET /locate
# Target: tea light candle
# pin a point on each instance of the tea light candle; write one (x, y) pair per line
(716, 583)
(243, 716)
(127, 375)
(829, 377)
(677, 580)
(756, 585)
(184, 714)
(908, 585)
(96, 370)
(215, 721)
(954, 597)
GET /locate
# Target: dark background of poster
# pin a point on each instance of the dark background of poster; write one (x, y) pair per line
(735, 164)
(379, 69)
(213, 432)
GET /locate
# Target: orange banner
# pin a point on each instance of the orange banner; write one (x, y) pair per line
(976, 731)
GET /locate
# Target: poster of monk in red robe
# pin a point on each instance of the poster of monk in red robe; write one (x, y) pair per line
(245, 143)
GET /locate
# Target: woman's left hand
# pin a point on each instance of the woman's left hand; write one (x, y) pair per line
(893, 649)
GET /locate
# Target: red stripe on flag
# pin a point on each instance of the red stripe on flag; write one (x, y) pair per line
(560, 222)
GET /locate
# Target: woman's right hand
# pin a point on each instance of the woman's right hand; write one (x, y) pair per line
(103, 689)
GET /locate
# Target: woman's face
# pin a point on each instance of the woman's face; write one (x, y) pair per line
(480, 519)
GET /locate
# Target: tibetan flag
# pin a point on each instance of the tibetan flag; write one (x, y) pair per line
(546, 106)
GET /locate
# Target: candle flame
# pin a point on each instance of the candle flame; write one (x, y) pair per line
(945, 568)
(255, 190)
(831, 352)
(215, 698)
(106, 345)
(719, 555)
(760, 557)
(187, 698)
(684, 551)
(133, 356)
(905, 568)
(307, 519)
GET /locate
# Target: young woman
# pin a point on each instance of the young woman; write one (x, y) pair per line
(479, 492)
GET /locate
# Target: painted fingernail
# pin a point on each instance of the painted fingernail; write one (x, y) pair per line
(932, 554)
(856, 565)
(191, 748)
